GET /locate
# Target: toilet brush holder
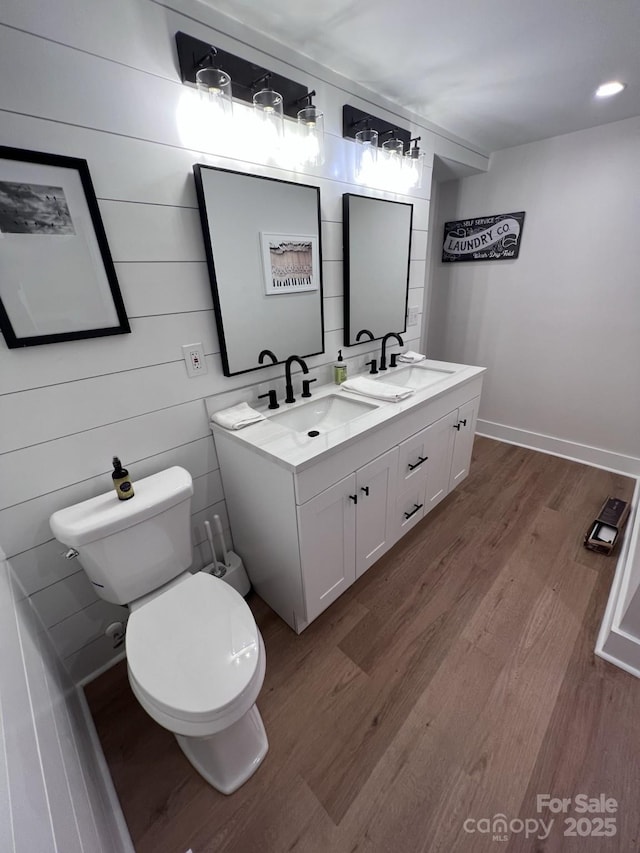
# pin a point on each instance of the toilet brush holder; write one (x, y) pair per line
(235, 573)
(231, 570)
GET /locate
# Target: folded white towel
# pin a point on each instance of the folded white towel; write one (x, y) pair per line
(411, 356)
(237, 417)
(375, 388)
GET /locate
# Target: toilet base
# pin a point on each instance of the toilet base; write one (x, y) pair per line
(230, 757)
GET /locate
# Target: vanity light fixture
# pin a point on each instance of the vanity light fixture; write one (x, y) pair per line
(394, 165)
(613, 87)
(259, 132)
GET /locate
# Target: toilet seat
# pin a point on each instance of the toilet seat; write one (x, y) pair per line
(195, 656)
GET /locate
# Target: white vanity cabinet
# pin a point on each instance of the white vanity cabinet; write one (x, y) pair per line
(310, 520)
(345, 529)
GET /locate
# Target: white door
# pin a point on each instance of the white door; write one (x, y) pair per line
(375, 485)
(463, 443)
(327, 531)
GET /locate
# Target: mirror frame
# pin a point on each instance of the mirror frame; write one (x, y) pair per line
(347, 264)
(213, 278)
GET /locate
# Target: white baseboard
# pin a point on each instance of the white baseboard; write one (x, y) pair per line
(119, 823)
(82, 682)
(596, 456)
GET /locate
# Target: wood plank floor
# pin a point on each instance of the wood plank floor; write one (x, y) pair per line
(455, 681)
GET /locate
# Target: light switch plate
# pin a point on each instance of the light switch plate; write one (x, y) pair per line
(194, 359)
(412, 316)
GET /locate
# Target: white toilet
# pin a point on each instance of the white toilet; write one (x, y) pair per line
(195, 656)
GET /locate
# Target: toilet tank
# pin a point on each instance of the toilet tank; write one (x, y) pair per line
(130, 548)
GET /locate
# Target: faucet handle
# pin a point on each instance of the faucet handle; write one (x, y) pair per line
(374, 365)
(394, 360)
(305, 387)
(273, 399)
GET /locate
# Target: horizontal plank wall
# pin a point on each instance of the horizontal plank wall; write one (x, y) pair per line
(111, 94)
(54, 795)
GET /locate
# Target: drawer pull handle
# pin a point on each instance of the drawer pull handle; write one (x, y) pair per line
(417, 464)
(353, 498)
(463, 421)
(408, 515)
(365, 489)
(456, 426)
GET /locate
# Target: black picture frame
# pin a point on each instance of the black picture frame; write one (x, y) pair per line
(57, 278)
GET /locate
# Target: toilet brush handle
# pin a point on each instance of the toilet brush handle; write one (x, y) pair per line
(219, 569)
(225, 555)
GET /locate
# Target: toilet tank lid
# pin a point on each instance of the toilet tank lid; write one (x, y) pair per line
(103, 515)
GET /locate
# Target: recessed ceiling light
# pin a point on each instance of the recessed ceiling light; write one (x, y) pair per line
(609, 89)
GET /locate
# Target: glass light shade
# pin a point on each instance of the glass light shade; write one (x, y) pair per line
(214, 86)
(268, 102)
(394, 147)
(413, 167)
(269, 125)
(311, 136)
(366, 154)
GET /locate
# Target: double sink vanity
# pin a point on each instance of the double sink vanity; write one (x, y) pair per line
(323, 487)
(320, 490)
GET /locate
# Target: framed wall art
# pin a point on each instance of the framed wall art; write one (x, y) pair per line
(485, 238)
(290, 262)
(57, 279)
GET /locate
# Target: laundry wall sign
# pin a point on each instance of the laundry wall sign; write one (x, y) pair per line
(486, 238)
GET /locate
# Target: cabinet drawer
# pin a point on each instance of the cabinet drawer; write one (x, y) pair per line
(409, 508)
(412, 461)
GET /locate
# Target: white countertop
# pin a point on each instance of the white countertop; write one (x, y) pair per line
(297, 450)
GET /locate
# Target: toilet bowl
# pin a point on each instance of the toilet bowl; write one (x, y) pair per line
(195, 657)
(196, 664)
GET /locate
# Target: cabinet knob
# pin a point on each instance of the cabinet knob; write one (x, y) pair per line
(457, 426)
(417, 464)
(365, 489)
(353, 498)
(463, 421)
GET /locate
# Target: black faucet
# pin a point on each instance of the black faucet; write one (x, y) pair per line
(267, 353)
(365, 332)
(383, 356)
(287, 372)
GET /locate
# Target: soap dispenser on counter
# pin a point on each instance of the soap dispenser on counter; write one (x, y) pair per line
(339, 369)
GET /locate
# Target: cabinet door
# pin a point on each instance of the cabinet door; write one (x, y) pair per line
(463, 442)
(327, 531)
(438, 446)
(375, 485)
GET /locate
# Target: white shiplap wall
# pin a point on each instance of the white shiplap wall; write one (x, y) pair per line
(98, 80)
(54, 795)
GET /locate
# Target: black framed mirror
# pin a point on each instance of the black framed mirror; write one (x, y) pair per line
(263, 244)
(377, 247)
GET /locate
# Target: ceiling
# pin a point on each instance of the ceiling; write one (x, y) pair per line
(497, 73)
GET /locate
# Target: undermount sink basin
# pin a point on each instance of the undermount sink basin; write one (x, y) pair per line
(414, 377)
(323, 414)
